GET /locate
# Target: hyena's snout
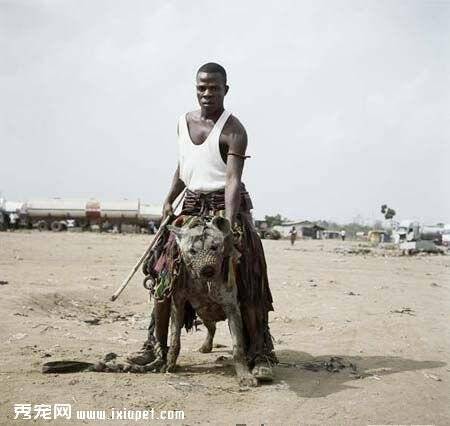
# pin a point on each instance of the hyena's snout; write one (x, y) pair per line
(207, 264)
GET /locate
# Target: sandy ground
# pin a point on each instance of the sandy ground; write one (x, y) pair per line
(328, 304)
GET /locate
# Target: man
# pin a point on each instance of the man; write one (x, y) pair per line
(293, 235)
(13, 220)
(212, 145)
(151, 227)
(343, 234)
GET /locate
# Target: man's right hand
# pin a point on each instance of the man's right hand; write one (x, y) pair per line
(167, 210)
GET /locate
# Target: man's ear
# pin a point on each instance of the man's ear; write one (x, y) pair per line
(226, 88)
(222, 224)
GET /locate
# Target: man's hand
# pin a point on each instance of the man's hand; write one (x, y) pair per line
(175, 190)
(167, 210)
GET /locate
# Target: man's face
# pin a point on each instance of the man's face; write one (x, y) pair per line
(211, 90)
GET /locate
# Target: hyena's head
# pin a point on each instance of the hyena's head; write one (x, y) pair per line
(203, 245)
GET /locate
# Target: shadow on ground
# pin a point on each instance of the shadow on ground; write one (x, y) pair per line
(295, 370)
(316, 377)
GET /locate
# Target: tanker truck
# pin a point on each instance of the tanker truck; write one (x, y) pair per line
(54, 214)
(59, 214)
(411, 236)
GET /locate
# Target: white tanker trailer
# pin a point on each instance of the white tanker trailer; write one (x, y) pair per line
(412, 236)
(59, 214)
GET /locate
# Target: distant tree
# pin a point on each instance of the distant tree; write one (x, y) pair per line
(352, 228)
(274, 220)
(388, 212)
(323, 223)
(358, 219)
(378, 225)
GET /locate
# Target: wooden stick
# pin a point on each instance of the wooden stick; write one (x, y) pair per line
(146, 253)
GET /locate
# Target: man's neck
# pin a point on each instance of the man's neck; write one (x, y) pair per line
(211, 115)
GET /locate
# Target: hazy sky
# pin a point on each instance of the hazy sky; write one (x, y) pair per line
(346, 104)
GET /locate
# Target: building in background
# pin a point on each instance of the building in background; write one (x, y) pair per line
(305, 229)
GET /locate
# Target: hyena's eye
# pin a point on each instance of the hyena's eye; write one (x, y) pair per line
(192, 250)
(214, 247)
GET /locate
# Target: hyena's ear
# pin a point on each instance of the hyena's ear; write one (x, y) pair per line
(222, 224)
(176, 230)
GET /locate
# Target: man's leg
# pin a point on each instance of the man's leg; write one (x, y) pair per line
(253, 330)
(156, 333)
(161, 311)
(260, 347)
(151, 330)
(145, 355)
(256, 302)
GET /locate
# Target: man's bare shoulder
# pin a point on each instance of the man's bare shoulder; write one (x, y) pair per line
(232, 126)
(189, 116)
(235, 127)
(235, 135)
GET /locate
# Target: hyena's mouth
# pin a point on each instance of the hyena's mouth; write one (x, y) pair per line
(208, 272)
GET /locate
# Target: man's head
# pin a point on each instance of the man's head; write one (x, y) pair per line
(211, 87)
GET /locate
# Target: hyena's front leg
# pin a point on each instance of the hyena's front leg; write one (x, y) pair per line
(208, 343)
(237, 336)
(176, 318)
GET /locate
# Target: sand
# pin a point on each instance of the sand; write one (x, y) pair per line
(56, 306)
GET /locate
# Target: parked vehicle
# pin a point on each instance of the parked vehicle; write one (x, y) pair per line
(58, 214)
(446, 237)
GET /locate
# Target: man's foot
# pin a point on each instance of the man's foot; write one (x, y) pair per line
(263, 371)
(159, 365)
(143, 356)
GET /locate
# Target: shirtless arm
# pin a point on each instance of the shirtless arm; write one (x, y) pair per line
(237, 144)
(175, 190)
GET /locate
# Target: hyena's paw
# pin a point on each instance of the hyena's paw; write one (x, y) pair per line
(171, 367)
(206, 348)
(263, 371)
(248, 381)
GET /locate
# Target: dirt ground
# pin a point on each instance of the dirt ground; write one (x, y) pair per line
(334, 311)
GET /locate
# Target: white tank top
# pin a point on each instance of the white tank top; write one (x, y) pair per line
(201, 166)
